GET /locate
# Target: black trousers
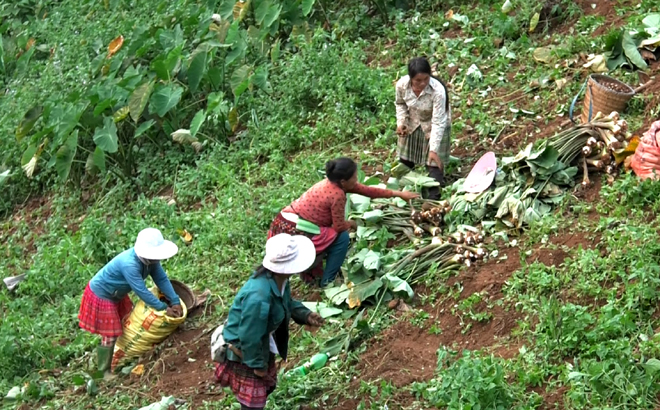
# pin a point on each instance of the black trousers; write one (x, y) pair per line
(436, 173)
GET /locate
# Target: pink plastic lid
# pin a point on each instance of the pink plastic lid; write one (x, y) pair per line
(482, 174)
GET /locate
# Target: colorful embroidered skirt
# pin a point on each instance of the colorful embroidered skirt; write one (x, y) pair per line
(250, 390)
(320, 241)
(101, 316)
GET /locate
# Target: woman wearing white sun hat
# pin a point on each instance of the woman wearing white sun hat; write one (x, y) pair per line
(257, 326)
(105, 302)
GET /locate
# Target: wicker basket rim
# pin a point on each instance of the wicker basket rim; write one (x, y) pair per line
(599, 79)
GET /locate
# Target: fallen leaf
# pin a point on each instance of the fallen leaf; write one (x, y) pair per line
(29, 44)
(534, 22)
(449, 14)
(507, 7)
(560, 83)
(115, 45)
(597, 63)
(138, 370)
(186, 237)
(543, 54)
(621, 155)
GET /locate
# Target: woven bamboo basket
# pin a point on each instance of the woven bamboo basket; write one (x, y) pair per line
(605, 94)
(185, 293)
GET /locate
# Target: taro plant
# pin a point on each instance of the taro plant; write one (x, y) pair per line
(182, 77)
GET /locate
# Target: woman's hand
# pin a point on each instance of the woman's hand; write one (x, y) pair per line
(174, 311)
(407, 195)
(314, 319)
(260, 373)
(402, 130)
(353, 224)
(434, 158)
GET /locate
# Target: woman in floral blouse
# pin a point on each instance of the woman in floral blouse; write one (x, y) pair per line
(324, 205)
(423, 119)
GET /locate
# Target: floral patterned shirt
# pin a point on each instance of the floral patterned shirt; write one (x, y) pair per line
(427, 110)
(324, 204)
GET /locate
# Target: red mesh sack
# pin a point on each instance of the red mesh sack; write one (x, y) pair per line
(646, 161)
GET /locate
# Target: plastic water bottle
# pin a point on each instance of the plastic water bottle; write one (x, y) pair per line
(316, 362)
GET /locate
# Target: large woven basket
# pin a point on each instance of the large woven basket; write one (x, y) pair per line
(605, 94)
(185, 293)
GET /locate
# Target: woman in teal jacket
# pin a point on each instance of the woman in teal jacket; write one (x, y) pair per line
(257, 325)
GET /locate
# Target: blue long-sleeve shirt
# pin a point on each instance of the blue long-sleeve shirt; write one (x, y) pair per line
(125, 272)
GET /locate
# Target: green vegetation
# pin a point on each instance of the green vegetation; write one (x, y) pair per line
(213, 125)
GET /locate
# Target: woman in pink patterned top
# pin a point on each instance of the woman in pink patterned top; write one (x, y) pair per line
(324, 204)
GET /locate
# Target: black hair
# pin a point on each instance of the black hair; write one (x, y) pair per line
(261, 270)
(420, 65)
(340, 169)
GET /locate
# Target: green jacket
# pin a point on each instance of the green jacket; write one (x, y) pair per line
(258, 310)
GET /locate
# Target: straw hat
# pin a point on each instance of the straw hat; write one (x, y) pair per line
(151, 245)
(288, 255)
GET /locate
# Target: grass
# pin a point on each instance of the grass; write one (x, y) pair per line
(587, 324)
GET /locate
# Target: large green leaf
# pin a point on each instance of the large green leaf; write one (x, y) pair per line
(418, 181)
(28, 121)
(307, 6)
(2, 58)
(372, 260)
(163, 100)
(138, 100)
(359, 203)
(239, 80)
(166, 66)
(143, 128)
(337, 294)
(197, 122)
(226, 8)
(64, 156)
(652, 20)
(260, 78)
(237, 52)
(106, 137)
(373, 216)
(272, 15)
(632, 53)
(261, 11)
(95, 161)
(398, 286)
(197, 69)
(4, 176)
(546, 159)
(361, 293)
(366, 232)
(275, 51)
(322, 309)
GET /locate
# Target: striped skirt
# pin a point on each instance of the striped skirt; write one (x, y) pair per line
(101, 316)
(249, 390)
(415, 147)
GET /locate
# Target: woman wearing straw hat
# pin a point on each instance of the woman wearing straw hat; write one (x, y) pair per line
(257, 326)
(105, 302)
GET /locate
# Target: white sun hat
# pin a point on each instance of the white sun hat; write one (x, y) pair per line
(288, 255)
(151, 245)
